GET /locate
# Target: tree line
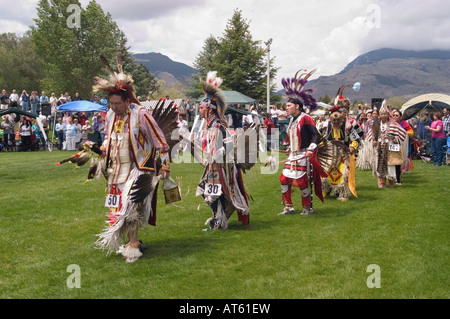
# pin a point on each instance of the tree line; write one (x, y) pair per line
(55, 56)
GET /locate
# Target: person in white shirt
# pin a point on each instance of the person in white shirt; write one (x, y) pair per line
(13, 98)
(274, 114)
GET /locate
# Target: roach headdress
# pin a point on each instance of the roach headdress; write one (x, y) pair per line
(214, 97)
(295, 89)
(118, 81)
(340, 100)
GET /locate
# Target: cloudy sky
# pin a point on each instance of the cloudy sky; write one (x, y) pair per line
(321, 34)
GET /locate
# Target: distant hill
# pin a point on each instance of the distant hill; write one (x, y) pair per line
(164, 68)
(387, 73)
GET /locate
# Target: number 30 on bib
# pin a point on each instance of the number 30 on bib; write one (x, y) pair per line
(213, 189)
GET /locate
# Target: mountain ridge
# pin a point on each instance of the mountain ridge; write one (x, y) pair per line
(383, 73)
(386, 73)
(164, 68)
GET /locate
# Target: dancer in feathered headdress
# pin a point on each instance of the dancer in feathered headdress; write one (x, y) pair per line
(214, 98)
(347, 136)
(221, 184)
(118, 81)
(387, 136)
(302, 168)
(295, 89)
(135, 156)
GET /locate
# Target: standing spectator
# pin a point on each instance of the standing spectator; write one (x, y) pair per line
(8, 130)
(53, 102)
(422, 132)
(67, 97)
(66, 118)
(78, 137)
(76, 97)
(83, 118)
(437, 139)
(4, 100)
(46, 129)
(36, 137)
(104, 101)
(24, 99)
(71, 135)
(44, 98)
(85, 130)
(446, 121)
(99, 127)
(13, 99)
(34, 99)
(446, 127)
(274, 112)
(25, 134)
(102, 130)
(60, 129)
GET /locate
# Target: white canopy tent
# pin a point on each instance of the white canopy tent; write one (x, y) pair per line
(431, 101)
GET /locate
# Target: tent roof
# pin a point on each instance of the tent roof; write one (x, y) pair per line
(17, 111)
(234, 97)
(431, 101)
(82, 106)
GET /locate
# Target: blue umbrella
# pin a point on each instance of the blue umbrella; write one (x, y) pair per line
(82, 106)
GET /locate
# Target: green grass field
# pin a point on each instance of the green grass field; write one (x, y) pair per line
(49, 220)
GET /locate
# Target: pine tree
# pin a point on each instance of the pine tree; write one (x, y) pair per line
(238, 59)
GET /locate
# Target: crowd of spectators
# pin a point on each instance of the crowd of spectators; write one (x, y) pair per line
(19, 132)
(431, 130)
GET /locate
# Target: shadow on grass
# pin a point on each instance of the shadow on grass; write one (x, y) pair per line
(180, 247)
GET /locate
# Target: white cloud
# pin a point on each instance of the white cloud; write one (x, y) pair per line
(306, 34)
(413, 25)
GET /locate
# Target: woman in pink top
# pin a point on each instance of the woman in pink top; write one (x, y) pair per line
(437, 139)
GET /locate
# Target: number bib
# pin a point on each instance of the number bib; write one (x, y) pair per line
(213, 189)
(354, 136)
(394, 147)
(112, 201)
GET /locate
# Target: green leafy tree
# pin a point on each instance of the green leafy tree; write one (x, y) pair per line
(69, 54)
(18, 63)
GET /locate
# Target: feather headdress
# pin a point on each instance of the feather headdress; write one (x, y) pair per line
(295, 89)
(384, 107)
(118, 81)
(340, 99)
(214, 97)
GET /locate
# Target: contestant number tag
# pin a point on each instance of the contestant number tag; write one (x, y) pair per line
(213, 189)
(394, 147)
(354, 136)
(112, 200)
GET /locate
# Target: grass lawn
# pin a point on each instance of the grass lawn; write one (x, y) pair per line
(49, 220)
